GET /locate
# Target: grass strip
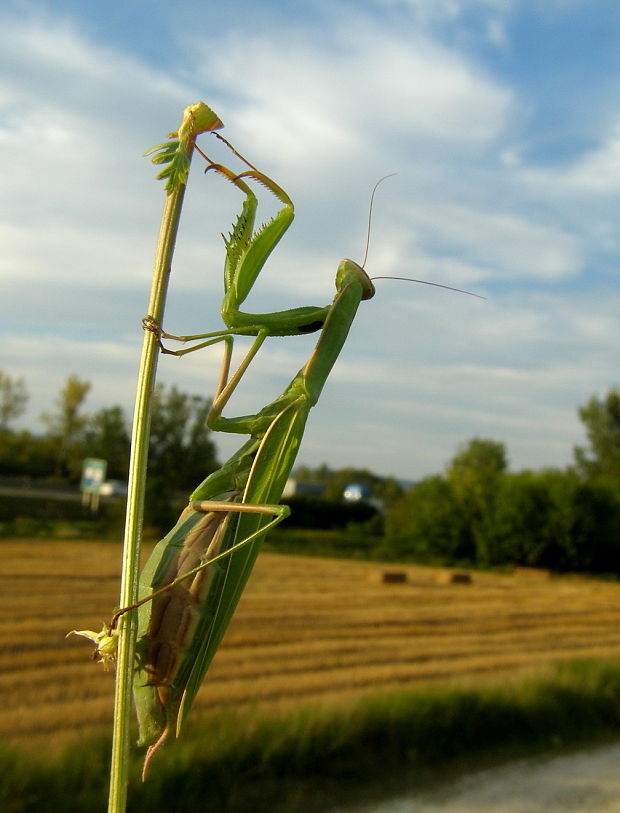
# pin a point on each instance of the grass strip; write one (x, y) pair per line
(312, 759)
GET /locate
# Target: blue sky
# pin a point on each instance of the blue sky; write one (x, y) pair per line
(500, 118)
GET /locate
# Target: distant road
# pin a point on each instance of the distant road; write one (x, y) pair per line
(33, 492)
(584, 782)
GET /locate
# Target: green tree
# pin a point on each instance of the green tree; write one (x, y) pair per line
(595, 528)
(525, 518)
(475, 474)
(428, 523)
(181, 452)
(180, 445)
(558, 520)
(601, 417)
(13, 399)
(478, 464)
(23, 454)
(66, 427)
(107, 437)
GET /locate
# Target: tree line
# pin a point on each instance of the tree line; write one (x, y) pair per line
(479, 513)
(181, 450)
(475, 513)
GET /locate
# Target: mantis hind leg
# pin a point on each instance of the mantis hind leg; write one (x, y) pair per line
(279, 513)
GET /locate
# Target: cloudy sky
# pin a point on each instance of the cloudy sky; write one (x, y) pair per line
(501, 118)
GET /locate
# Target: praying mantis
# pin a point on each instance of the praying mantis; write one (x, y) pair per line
(192, 582)
(232, 510)
(195, 576)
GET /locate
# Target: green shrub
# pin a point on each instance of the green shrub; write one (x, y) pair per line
(551, 519)
(429, 525)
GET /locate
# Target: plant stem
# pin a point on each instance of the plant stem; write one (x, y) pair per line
(119, 770)
(177, 155)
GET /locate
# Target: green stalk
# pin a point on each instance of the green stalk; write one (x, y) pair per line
(177, 155)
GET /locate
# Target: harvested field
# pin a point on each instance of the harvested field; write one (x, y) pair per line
(308, 630)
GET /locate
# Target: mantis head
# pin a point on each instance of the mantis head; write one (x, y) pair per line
(349, 271)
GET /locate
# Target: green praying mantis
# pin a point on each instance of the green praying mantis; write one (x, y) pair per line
(232, 510)
(194, 578)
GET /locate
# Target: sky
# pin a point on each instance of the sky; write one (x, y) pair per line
(501, 120)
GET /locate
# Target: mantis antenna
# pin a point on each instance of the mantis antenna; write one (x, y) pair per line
(372, 198)
(404, 279)
(435, 285)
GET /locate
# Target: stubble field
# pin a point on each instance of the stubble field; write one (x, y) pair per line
(308, 630)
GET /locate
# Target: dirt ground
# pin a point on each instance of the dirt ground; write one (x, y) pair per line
(583, 782)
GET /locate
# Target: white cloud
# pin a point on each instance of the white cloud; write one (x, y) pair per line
(424, 369)
(432, 11)
(386, 83)
(501, 243)
(595, 172)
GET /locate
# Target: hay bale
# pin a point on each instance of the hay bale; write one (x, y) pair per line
(454, 577)
(390, 577)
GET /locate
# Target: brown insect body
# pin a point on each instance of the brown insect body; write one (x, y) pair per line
(175, 612)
